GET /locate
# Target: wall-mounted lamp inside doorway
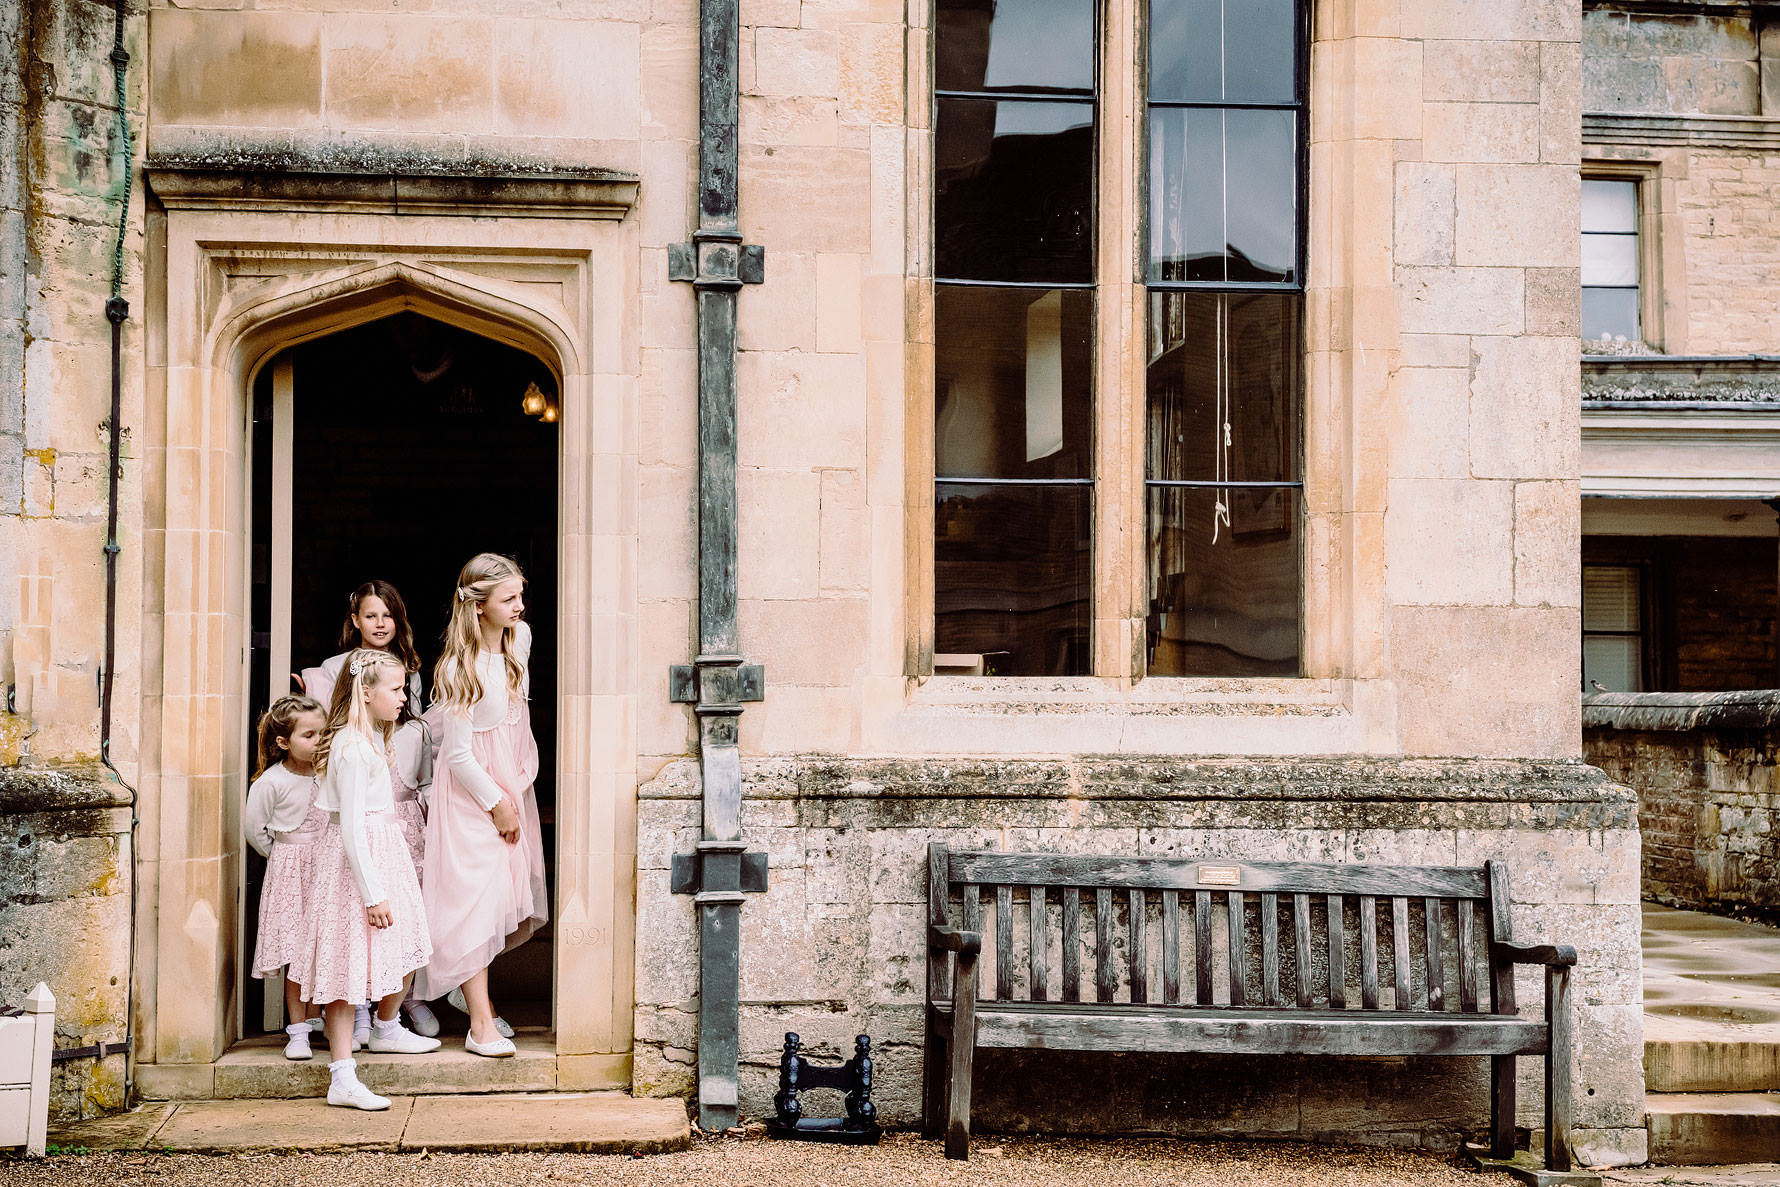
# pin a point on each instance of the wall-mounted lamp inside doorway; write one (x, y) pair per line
(536, 403)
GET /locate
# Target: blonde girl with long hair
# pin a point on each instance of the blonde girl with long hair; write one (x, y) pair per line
(367, 928)
(282, 824)
(484, 865)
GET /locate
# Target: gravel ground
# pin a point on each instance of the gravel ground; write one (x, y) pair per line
(902, 1161)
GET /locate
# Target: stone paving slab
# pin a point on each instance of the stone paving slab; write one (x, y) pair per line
(121, 1131)
(586, 1123)
(1747, 1174)
(255, 1126)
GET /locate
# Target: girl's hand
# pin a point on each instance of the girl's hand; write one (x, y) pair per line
(379, 915)
(506, 820)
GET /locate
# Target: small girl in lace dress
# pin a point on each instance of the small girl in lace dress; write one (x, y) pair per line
(367, 928)
(282, 822)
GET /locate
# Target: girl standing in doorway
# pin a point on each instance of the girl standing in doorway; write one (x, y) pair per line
(376, 617)
(282, 822)
(484, 866)
(367, 927)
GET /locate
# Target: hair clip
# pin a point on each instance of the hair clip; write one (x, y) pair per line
(358, 667)
(464, 593)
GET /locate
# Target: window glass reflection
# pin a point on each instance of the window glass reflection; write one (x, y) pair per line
(1015, 191)
(1610, 314)
(1223, 569)
(1223, 195)
(1223, 386)
(1013, 382)
(1028, 45)
(1209, 51)
(1011, 578)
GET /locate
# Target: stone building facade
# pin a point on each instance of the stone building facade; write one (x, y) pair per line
(335, 204)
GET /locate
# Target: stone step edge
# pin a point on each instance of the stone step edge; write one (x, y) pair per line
(1712, 1128)
(1732, 1066)
(453, 1074)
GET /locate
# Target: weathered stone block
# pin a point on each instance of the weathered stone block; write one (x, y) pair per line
(1547, 544)
(236, 68)
(1449, 542)
(1524, 414)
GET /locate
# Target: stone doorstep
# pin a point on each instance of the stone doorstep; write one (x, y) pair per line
(1694, 1065)
(587, 1122)
(1703, 1129)
(257, 1070)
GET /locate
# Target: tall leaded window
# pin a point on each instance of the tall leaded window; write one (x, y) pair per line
(1225, 276)
(1013, 333)
(1212, 292)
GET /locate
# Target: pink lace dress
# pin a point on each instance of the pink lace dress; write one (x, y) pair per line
(483, 895)
(284, 896)
(343, 957)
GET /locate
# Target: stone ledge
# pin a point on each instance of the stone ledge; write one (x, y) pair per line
(1355, 780)
(1658, 381)
(1662, 128)
(1757, 709)
(59, 789)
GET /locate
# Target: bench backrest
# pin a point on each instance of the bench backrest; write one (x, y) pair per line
(1167, 931)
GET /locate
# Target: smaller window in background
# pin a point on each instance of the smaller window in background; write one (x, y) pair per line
(1610, 260)
(1612, 628)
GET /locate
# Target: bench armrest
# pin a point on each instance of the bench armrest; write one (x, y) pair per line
(1546, 954)
(952, 939)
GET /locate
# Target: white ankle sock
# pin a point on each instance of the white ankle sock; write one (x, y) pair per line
(344, 1071)
(385, 1030)
(297, 1028)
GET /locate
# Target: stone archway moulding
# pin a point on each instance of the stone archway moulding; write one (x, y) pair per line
(229, 289)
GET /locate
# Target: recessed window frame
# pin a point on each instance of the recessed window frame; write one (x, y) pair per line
(1662, 282)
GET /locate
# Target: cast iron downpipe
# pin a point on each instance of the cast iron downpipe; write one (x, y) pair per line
(717, 263)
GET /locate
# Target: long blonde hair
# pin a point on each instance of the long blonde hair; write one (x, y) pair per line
(347, 711)
(276, 725)
(456, 685)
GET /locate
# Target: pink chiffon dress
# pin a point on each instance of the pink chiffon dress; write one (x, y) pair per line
(484, 896)
(410, 775)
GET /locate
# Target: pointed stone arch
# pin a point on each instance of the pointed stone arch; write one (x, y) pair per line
(232, 289)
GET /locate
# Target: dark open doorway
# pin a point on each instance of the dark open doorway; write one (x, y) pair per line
(412, 447)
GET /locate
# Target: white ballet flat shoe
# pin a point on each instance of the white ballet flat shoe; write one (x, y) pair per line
(403, 1042)
(421, 1015)
(356, 1096)
(296, 1046)
(499, 1049)
(455, 999)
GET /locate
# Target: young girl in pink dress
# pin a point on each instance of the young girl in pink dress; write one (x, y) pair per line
(376, 617)
(484, 882)
(367, 927)
(282, 822)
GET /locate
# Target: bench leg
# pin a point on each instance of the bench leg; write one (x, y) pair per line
(1501, 1106)
(963, 1044)
(1557, 1069)
(933, 1081)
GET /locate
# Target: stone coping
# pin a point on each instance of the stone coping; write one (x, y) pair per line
(1325, 778)
(296, 181)
(59, 789)
(1681, 711)
(1757, 132)
(1747, 381)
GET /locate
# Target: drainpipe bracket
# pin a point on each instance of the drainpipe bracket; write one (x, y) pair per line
(716, 684)
(717, 261)
(701, 872)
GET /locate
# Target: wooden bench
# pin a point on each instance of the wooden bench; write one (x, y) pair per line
(1311, 959)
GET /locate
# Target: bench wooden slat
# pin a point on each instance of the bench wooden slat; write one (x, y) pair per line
(1301, 945)
(1106, 974)
(1138, 919)
(1436, 964)
(1004, 942)
(1405, 993)
(1467, 959)
(1161, 873)
(1337, 954)
(970, 907)
(1202, 947)
(1368, 952)
(1238, 948)
(1038, 941)
(1072, 944)
(939, 965)
(1171, 947)
(1270, 950)
(1232, 1032)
